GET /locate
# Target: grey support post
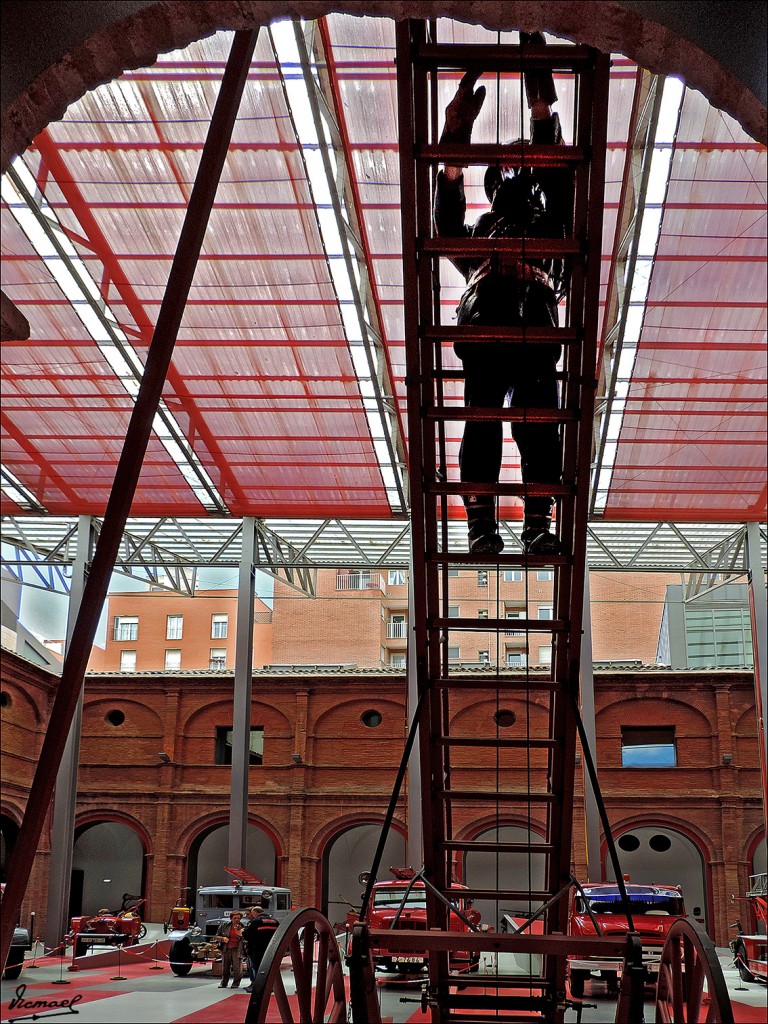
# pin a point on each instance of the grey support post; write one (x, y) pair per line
(592, 818)
(759, 615)
(241, 717)
(415, 841)
(65, 796)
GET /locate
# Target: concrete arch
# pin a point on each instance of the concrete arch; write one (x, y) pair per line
(108, 859)
(510, 870)
(9, 833)
(669, 42)
(207, 855)
(347, 851)
(684, 862)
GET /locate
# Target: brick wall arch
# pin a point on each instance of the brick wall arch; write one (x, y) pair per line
(137, 40)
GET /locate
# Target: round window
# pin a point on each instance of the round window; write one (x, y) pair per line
(5, 699)
(370, 719)
(115, 717)
(504, 719)
(628, 842)
(660, 843)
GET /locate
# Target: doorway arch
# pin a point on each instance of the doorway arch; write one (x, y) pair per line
(9, 833)
(510, 870)
(208, 857)
(108, 859)
(345, 856)
(656, 853)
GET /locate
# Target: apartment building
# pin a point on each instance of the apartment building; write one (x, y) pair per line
(157, 630)
(359, 619)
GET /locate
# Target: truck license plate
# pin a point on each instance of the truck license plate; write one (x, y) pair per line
(407, 959)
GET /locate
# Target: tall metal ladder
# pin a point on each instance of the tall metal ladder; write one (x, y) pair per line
(549, 784)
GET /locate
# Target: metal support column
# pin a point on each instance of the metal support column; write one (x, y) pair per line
(591, 815)
(127, 475)
(759, 614)
(65, 797)
(241, 707)
(415, 836)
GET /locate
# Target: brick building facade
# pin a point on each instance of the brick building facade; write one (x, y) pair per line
(324, 770)
(155, 629)
(360, 619)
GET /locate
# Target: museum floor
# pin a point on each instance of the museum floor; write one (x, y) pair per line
(149, 993)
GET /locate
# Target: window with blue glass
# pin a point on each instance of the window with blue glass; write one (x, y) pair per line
(648, 748)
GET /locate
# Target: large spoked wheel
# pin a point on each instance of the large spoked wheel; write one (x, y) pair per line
(691, 986)
(308, 988)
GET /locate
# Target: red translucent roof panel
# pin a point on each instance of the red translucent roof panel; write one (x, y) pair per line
(693, 438)
(263, 384)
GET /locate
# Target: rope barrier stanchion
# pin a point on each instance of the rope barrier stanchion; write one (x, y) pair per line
(119, 976)
(61, 951)
(34, 966)
(736, 961)
(156, 966)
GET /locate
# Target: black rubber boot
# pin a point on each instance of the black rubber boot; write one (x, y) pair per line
(538, 539)
(483, 530)
(484, 537)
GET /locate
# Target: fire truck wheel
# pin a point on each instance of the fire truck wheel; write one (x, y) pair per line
(578, 979)
(740, 954)
(142, 933)
(308, 940)
(180, 958)
(689, 973)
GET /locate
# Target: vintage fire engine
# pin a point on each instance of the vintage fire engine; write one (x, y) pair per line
(192, 941)
(402, 904)
(122, 927)
(751, 951)
(597, 909)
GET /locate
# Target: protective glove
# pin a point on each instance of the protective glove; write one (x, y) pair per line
(461, 112)
(539, 84)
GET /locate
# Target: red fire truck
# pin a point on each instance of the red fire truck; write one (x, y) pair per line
(654, 909)
(402, 904)
(121, 927)
(751, 951)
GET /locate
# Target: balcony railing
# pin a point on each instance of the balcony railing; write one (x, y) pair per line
(397, 630)
(360, 581)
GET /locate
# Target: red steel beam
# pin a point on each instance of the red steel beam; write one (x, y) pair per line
(126, 478)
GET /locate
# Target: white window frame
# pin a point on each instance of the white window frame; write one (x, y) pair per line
(513, 575)
(545, 575)
(222, 657)
(512, 661)
(396, 578)
(456, 656)
(219, 619)
(171, 633)
(123, 666)
(546, 611)
(397, 660)
(172, 668)
(130, 634)
(545, 655)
